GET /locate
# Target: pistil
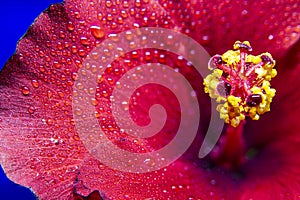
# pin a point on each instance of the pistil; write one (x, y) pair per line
(231, 152)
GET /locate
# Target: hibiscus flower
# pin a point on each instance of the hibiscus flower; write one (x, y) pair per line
(40, 146)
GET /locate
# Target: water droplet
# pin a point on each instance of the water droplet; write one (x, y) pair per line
(25, 90)
(124, 14)
(138, 3)
(71, 26)
(114, 37)
(205, 39)
(76, 137)
(136, 25)
(74, 76)
(74, 49)
(244, 12)
(78, 112)
(62, 35)
(125, 4)
(81, 53)
(94, 102)
(97, 114)
(49, 121)
(109, 17)
(32, 167)
(97, 32)
(270, 37)
(77, 15)
(100, 16)
(162, 58)
(129, 35)
(56, 64)
(72, 122)
(147, 55)
(61, 94)
(42, 69)
(49, 94)
(120, 20)
(108, 3)
(54, 141)
(31, 109)
(149, 162)
(35, 83)
(84, 41)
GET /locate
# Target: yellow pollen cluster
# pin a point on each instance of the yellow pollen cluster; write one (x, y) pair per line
(240, 83)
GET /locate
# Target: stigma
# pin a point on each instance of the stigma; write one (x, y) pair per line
(240, 83)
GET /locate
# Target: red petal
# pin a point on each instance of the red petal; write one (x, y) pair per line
(217, 24)
(277, 138)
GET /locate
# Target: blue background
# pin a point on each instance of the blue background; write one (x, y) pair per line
(16, 16)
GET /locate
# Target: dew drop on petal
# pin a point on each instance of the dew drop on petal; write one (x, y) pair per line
(147, 55)
(70, 26)
(108, 3)
(35, 83)
(49, 121)
(94, 102)
(49, 94)
(74, 49)
(138, 3)
(149, 162)
(42, 69)
(125, 4)
(31, 109)
(84, 41)
(60, 94)
(270, 37)
(244, 12)
(78, 112)
(97, 32)
(32, 166)
(81, 53)
(25, 90)
(56, 65)
(123, 14)
(205, 39)
(74, 76)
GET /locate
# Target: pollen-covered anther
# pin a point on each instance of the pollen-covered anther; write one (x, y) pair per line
(240, 83)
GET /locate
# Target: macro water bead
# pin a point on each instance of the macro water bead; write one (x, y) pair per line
(240, 83)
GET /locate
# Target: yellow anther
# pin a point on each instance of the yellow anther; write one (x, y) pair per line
(240, 83)
(212, 80)
(253, 59)
(231, 57)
